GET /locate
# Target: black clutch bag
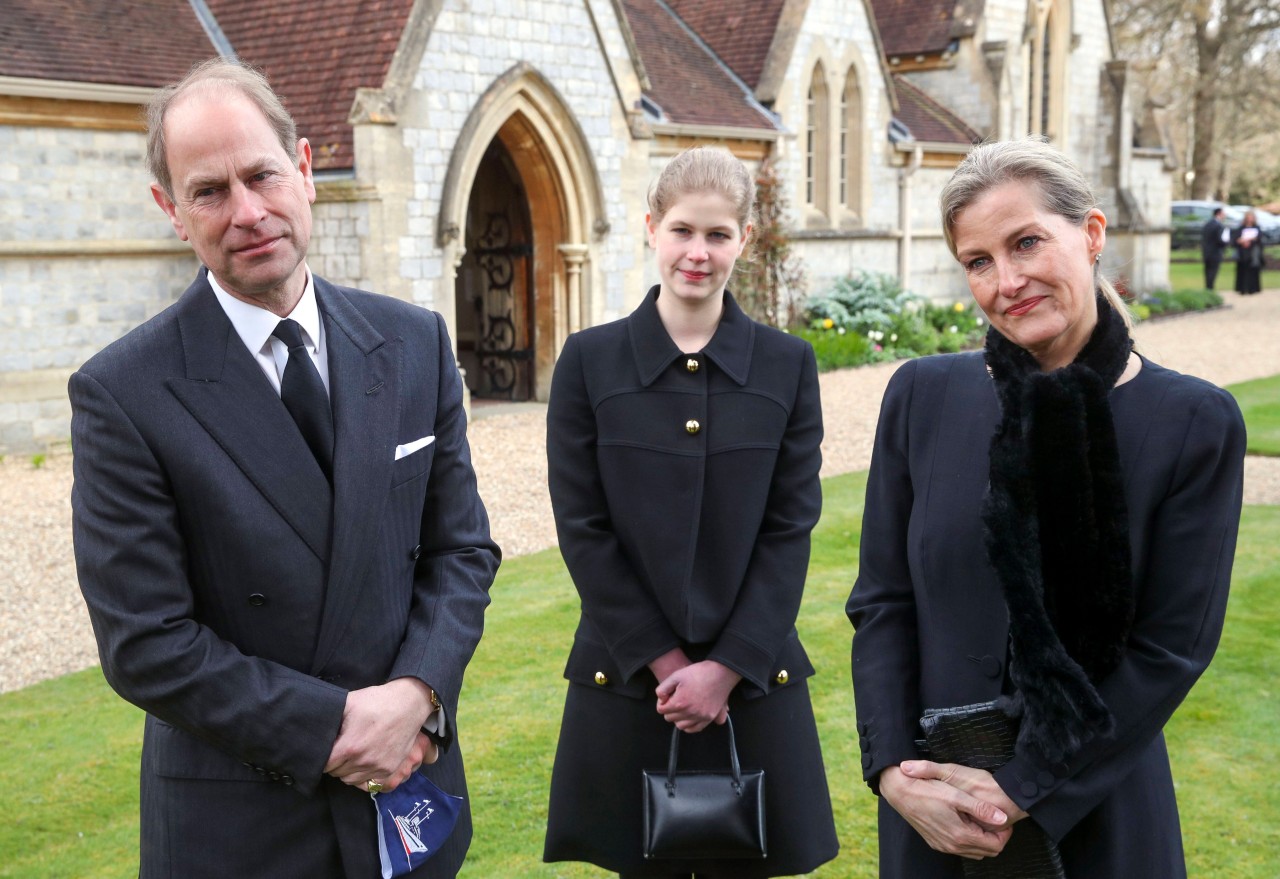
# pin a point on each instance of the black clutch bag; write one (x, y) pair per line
(704, 814)
(982, 737)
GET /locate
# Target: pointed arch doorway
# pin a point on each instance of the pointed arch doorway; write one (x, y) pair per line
(496, 301)
(521, 191)
(511, 281)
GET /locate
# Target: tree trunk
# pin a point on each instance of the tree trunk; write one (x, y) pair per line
(1208, 48)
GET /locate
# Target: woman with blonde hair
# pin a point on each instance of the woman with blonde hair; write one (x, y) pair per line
(683, 452)
(1046, 550)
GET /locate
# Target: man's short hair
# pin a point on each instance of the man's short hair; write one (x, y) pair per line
(1219, 211)
(216, 74)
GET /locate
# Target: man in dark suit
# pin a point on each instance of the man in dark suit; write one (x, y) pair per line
(1213, 241)
(277, 528)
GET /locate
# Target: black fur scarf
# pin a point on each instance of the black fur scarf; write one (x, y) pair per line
(1057, 534)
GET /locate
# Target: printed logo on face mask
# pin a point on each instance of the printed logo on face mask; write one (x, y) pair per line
(414, 820)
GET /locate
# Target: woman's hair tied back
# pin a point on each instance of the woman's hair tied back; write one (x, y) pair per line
(704, 169)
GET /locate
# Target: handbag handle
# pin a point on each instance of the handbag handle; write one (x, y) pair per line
(733, 760)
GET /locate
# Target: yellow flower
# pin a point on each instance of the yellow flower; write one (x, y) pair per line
(828, 323)
(959, 306)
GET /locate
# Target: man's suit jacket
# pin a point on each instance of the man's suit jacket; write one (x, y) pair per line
(236, 596)
(1211, 244)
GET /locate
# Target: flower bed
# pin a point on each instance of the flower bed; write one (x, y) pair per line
(868, 318)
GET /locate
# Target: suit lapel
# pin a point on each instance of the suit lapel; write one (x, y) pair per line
(364, 387)
(225, 391)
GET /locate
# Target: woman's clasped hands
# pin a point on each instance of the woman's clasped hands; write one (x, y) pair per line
(692, 695)
(957, 810)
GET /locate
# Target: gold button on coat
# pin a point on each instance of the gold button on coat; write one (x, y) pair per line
(691, 364)
(602, 678)
(692, 426)
(783, 677)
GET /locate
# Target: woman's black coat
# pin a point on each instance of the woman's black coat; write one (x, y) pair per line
(1250, 261)
(685, 488)
(932, 628)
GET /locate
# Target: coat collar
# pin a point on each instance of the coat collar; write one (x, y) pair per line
(730, 348)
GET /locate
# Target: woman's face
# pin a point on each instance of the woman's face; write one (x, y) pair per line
(1030, 270)
(697, 242)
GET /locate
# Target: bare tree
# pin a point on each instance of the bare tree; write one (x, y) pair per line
(1211, 62)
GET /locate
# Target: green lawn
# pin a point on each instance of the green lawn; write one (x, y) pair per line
(1190, 276)
(1260, 402)
(69, 748)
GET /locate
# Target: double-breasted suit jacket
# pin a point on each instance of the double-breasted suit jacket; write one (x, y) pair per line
(685, 487)
(236, 596)
(932, 630)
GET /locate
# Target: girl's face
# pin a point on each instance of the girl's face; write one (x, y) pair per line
(697, 243)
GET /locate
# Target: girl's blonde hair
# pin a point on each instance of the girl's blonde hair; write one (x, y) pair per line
(1061, 186)
(704, 169)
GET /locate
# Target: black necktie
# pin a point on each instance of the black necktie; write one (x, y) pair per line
(304, 396)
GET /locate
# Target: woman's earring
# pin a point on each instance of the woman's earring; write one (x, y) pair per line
(1097, 257)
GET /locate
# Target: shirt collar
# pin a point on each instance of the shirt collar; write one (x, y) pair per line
(729, 348)
(254, 324)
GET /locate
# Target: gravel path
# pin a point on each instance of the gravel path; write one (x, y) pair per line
(44, 630)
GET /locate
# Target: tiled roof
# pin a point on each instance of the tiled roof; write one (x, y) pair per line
(915, 27)
(316, 54)
(740, 32)
(687, 81)
(126, 42)
(927, 119)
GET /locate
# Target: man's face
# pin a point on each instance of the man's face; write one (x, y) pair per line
(237, 197)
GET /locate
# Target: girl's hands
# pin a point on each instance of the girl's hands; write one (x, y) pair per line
(696, 694)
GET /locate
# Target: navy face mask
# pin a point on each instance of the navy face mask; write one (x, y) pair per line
(414, 820)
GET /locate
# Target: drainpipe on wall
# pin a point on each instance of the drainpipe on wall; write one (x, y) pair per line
(904, 215)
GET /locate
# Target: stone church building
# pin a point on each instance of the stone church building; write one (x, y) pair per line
(490, 158)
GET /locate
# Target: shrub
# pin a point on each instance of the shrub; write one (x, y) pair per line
(862, 303)
(1165, 302)
(891, 323)
(837, 350)
(959, 326)
(769, 278)
(868, 318)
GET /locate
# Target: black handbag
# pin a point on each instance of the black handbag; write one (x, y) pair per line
(982, 737)
(704, 813)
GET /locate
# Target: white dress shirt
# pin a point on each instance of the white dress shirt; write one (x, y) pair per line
(254, 324)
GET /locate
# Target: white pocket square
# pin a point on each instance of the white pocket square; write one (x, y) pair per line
(408, 449)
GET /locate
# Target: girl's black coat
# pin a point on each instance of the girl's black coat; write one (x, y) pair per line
(684, 490)
(677, 535)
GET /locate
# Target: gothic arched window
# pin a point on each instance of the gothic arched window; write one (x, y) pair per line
(851, 144)
(1048, 49)
(817, 137)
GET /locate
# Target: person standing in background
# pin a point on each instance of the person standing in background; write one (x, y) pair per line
(1250, 257)
(1214, 238)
